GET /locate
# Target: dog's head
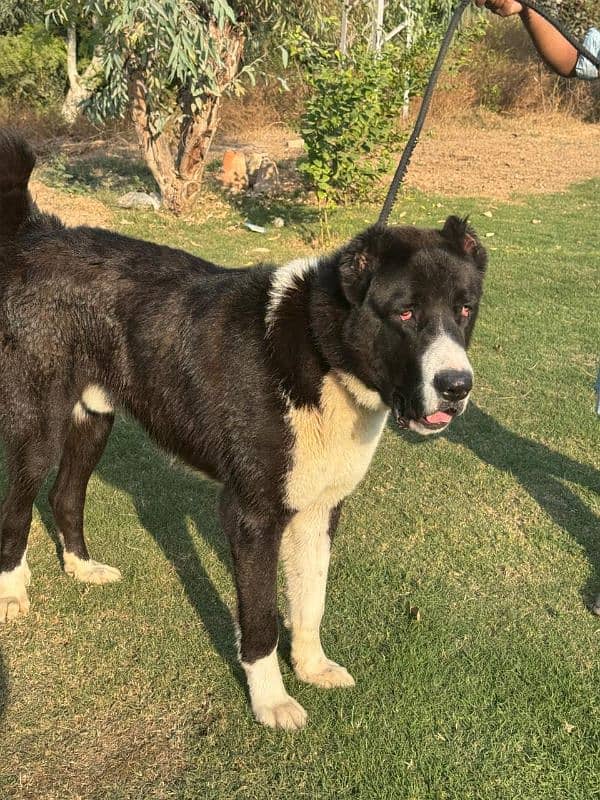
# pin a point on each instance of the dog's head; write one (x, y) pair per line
(414, 296)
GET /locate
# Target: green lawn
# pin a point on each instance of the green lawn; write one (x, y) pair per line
(491, 531)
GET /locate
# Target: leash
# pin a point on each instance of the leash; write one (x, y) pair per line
(425, 103)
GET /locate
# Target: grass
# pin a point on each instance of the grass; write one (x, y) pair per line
(491, 531)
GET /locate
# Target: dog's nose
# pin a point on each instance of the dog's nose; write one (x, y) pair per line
(453, 384)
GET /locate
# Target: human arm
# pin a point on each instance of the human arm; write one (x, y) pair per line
(557, 52)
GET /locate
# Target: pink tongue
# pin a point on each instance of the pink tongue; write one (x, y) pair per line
(439, 418)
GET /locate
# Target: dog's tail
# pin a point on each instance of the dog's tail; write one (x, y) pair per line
(16, 163)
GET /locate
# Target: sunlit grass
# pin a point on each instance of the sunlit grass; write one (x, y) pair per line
(491, 531)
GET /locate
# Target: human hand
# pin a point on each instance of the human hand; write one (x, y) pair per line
(503, 8)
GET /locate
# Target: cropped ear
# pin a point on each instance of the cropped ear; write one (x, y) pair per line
(464, 241)
(358, 262)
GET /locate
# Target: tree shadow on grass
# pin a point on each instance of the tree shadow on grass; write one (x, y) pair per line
(542, 472)
(165, 498)
(262, 210)
(82, 174)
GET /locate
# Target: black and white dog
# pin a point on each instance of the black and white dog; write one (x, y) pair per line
(277, 382)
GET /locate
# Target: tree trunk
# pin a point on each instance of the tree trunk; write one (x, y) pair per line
(407, 75)
(79, 85)
(344, 27)
(177, 154)
(377, 37)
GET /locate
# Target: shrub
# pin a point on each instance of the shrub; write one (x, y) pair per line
(33, 67)
(349, 123)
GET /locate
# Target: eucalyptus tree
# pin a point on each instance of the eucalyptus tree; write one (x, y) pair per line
(168, 63)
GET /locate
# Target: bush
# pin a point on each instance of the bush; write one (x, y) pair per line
(33, 67)
(350, 121)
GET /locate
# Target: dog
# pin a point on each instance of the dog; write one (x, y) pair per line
(276, 382)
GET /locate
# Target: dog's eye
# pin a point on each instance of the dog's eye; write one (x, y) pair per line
(465, 311)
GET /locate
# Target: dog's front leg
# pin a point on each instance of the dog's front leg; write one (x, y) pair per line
(255, 539)
(305, 550)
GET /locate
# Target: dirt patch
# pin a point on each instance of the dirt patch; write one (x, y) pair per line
(71, 209)
(481, 154)
(499, 157)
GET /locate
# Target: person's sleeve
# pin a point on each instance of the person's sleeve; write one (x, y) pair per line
(585, 69)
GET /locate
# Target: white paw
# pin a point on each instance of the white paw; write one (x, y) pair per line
(12, 607)
(287, 714)
(13, 594)
(89, 571)
(326, 674)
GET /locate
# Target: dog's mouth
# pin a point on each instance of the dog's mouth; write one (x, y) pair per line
(433, 422)
(428, 423)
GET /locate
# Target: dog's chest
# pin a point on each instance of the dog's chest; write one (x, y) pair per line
(333, 447)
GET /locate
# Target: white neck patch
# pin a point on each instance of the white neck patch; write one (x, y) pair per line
(284, 280)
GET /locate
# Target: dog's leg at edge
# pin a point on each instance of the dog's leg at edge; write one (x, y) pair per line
(27, 465)
(306, 547)
(82, 450)
(255, 543)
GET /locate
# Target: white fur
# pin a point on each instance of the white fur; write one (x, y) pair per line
(89, 571)
(271, 704)
(333, 446)
(363, 396)
(96, 399)
(93, 398)
(305, 552)
(442, 354)
(79, 413)
(284, 279)
(13, 591)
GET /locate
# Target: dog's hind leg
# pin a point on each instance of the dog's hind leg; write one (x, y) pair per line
(28, 463)
(305, 551)
(84, 445)
(255, 539)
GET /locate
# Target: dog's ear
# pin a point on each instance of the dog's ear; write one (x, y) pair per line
(358, 262)
(464, 241)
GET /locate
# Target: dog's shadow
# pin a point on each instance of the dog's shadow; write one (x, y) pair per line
(166, 497)
(542, 472)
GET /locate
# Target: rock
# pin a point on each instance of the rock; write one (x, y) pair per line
(253, 163)
(139, 200)
(233, 173)
(266, 177)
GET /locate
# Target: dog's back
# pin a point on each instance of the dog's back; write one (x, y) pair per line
(91, 320)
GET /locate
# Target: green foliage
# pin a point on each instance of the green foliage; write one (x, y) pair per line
(32, 67)
(14, 14)
(349, 123)
(169, 42)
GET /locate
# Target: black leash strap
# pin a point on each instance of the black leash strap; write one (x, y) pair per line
(414, 136)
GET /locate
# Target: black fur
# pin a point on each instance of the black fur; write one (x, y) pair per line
(183, 346)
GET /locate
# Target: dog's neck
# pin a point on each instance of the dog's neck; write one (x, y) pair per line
(305, 317)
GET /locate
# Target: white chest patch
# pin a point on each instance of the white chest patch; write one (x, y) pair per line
(333, 446)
